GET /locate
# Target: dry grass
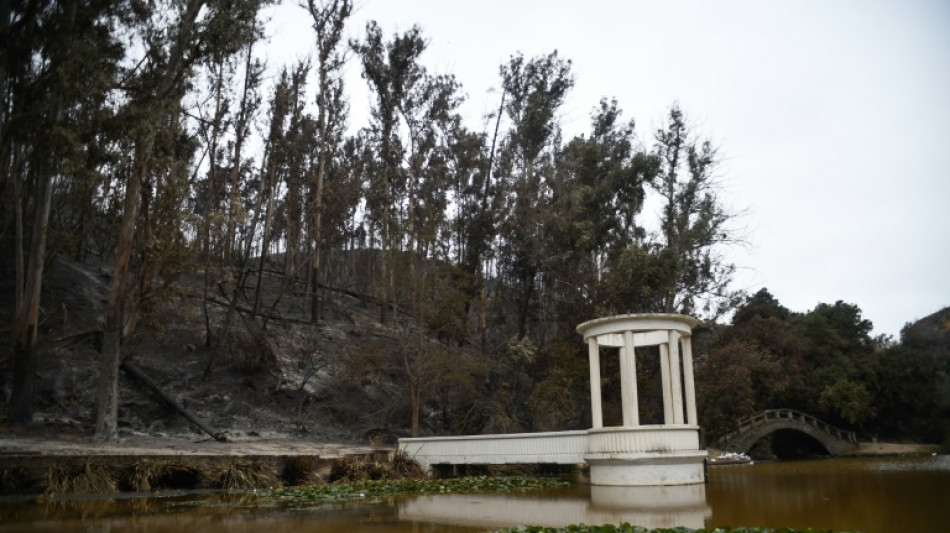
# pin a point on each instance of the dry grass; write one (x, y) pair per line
(149, 475)
(12, 480)
(406, 467)
(86, 478)
(301, 470)
(146, 476)
(239, 474)
(362, 468)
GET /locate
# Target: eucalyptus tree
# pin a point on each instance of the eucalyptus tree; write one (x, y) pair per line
(248, 108)
(213, 126)
(174, 36)
(342, 189)
(237, 194)
(329, 18)
(284, 99)
(299, 142)
(391, 69)
(430, 112)
(597, 193)
(415, 125)
(693, 223)
(229, 100)
(57, 63)
(536, 89)
(474, 221)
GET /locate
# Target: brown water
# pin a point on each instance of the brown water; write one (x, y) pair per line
(870, 495)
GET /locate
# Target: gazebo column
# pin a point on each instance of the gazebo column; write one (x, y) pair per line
(676, 377)
(688, 381)
(628, 382)
(596, 412)
(665, 380)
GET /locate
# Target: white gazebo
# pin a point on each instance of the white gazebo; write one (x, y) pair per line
(633, 453)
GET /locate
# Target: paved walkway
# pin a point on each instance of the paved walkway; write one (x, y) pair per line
(84, 446)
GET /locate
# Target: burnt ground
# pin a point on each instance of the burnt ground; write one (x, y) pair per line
(272, 378)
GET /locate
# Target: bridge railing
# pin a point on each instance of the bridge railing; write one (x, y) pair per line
(753, 421)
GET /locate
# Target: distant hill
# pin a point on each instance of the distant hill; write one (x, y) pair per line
(931, 334)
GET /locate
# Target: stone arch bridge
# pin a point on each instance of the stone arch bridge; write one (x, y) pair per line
(754, 427)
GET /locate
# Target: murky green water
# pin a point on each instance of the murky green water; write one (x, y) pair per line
(869, 495)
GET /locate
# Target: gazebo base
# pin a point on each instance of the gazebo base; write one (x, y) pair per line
(647, 469)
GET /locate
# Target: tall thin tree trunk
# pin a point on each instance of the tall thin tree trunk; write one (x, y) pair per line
(28, 302)
(267, 190)
(317, 229)
(239, 283)
(413, 388)
(238, 149)
(107, 398)
(170, 80)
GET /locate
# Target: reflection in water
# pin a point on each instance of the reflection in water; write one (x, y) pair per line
(209, 512)
(872, 496)
(650, 507)
(868, 495)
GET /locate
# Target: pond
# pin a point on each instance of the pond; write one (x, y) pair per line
(891, 495)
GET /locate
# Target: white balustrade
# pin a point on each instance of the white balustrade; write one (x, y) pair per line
(559, 447)
(643, 439)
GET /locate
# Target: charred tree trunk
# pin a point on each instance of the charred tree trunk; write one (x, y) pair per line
(107, 398)
(133, 370)
(169, 83)
(28, 292)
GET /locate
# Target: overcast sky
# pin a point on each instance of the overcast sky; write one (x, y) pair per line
(832, 117)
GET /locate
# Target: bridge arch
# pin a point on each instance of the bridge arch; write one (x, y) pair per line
(753, 428)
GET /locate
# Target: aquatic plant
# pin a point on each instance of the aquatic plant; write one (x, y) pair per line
(391, 487)
(627, 528)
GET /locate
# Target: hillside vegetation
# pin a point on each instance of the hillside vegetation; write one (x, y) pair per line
(169, 206)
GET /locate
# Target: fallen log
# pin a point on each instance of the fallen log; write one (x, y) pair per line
(135, 372)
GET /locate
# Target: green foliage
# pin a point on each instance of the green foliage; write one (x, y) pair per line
(521, 351)
(734, 379)
(538, 87)
(849, 399)
(694, 223)
(825, 363)
(382, 488)
(558, 398)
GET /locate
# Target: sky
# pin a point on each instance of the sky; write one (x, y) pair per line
(832, 118)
